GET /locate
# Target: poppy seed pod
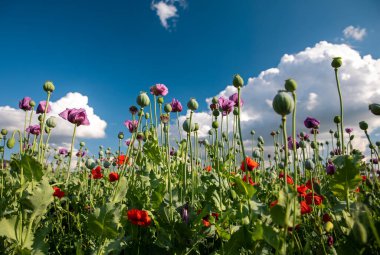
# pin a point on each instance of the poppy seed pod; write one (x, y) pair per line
(192, 104)
(51, 122)
(215, 124)
(337, 119)
(309, 164)
(186, 126)
(336, 62)
(236, 111)
(120, 135)
(214, 100)
(40, 118)
(375, 108)
(215, 113)
(290, 85)
(4, 132)
(160, 100)
(302, 144)
(82, 144)
(260, 139)
(32, 103)
(147, 115)
(210, 132)
(49, 86)
(106, 164)
(143, 100)
(256, 153)
(238, 81)
(168, 108)
(253, 132)
(283, 103)
(363, 125)
(378, 143)
(11, 142)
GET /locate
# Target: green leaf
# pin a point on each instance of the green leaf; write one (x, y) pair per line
(32, 168)
(152, 151)
(121, 190)
(8, 227)
(271, 236)
(102, 222)
(244, 188)
(243, 238)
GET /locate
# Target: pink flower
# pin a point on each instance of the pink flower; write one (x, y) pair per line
(24, 104)
(131, 125)
(34, 130)
(41, 107)
(176, 105)
(159, 90)
(234, 98)
(225, 105)
(75, 116)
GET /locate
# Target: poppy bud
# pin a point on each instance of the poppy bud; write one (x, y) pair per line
(90, 163)
(11, 142)
(283, 103)
(363, 125)
(196, 127)
(120, 135)
(4, 132)
(168, 108)
(51, 122)
(40, 118)
(336, 62)
(140, 113)
(290, 85)
(49, 86)
(329, 226)
(302, 144)
(160, 100)
(143, 100)
(352, 137)
(331, 131)
(337, 119)
(47, 130)
(256, 153)
(32, 103)
(313, 145)
(215, 113)
(252, 132)
(192, 104)
(210, 132)
(82, 144)
(260, 139)
(214, 100)
(375, 108)
(309, 164)
(238, 81)
(147, 115)
(186, 126)
(236, 111)
(106, 164)
(336, 135)
(215, 124)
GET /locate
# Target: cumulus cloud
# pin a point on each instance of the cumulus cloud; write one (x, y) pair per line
(167, 11)
(355, 33)
(317, 92)
(11, 119)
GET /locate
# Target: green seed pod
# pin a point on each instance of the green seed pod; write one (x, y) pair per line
(210, 132)
(160, 100)
(359, 232)
(309, 164)
(215, 113)
(352, 137)
(4, 132)
(192, 104)
(283, 103)
(260, 139)
(336, 135)
(375, 108)
(236, 111)
(143, 100)
(302, 144)
(238, 81)
(40, 118)
(186, 126)
(290, 85)
(120, 135)
(147, 115)
(32, 103)
(377, 143)
(168, 108)
(363, 125)
(214, 100)
(337, 119)
(336, 62)
(51, 122)
(331, 131)
(313, 145)
(140, 113)
(11, 142)
(49, 86)
(253, 132)
(256, 153)
(106, 164)
(215, 124)
(82, 144)
(196, 127)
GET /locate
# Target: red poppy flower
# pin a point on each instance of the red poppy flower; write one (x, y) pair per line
(139, 217)
(289, 179)
(308, 184)
(121, 159)
(275, 202)
(205, 220)
(326, 217)
(302, 190)
(206, 223)
(317, 198)
(58, 192)
(208, 168)
(251, 164)
(250, 180)
(96, 173)
(357, 190)
(305, 208)
(113, 176)
(364, 178)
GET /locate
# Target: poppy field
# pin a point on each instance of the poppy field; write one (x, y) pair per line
(168, 191)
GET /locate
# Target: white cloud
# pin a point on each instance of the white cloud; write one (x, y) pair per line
(11, 119)
(317, 92)
(355, 33)
(165, 11)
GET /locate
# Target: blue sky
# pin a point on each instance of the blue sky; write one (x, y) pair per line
(111, 50)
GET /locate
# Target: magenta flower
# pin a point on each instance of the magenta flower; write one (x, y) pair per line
(34, 129)
(330, 169)
(159, 90)
(290, 143)
(234, 98)
(225, 105)
(176, 105)
(311, 123)
(24, 104)
(81, 154)
(349, 130)
(41, 107)
(63, 151)
(133, 110)
(75, 116)
(131, 125)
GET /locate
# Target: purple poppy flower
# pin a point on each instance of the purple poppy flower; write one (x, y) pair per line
(311, 123)
(133, 110)
(75, 116)
(214, 106)
(159, 90)
(172, 152)
(127, 142)
(131, 125)
(330, 169)
(176, 105)
(63, 151)
(374, 161)
(314, 131)
(24, 104)
(290, 143)
(330, 241)
(34, 129)
(225, 105)
(349, 130)
(41, 107)
(234, 98)
(81, 154)
(185, 215)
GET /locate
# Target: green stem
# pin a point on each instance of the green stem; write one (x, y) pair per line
(341, 109)
(42, 126)
(71, 155)
(284, 135)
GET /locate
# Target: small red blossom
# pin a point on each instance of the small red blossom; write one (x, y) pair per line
(326, 217)
(302, 190)
(121, 159)
(250, 180)
(305, 208)
(364, 178)
(289, 179)
(208, 168)
(58, 192)
(317, 198)
(205, 220)
(357, 190)
(96, 173)
(275, 202)
(251, 164)
(139, 217)
(113, 176)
